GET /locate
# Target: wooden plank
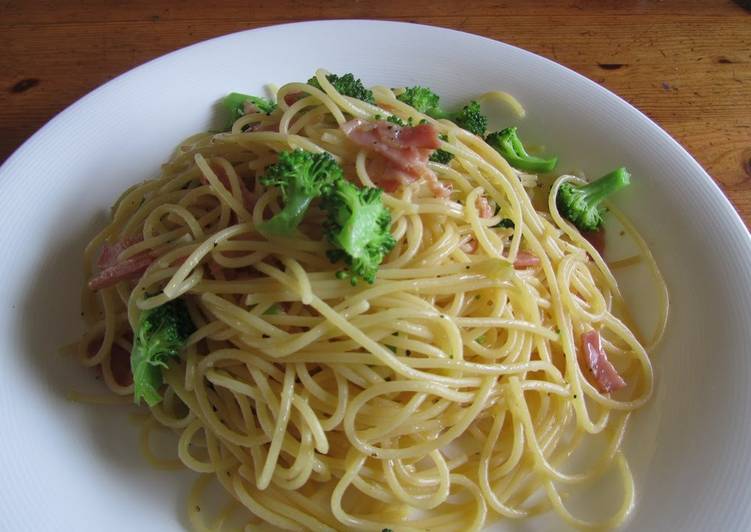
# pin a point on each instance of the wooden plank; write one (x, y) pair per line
(686, 64)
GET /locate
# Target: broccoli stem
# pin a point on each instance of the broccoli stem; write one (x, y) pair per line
(509, 145)
(233, 102)
(289, 217)
(598, 190)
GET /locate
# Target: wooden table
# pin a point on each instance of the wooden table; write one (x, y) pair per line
(685, 63)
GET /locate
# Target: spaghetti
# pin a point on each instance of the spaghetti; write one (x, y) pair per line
(446, 395)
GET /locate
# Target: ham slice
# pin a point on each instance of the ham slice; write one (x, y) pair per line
(604, 373)
(111, 271)
(525, 259)
(110, 252)
(291, 98)
(596, 238)
(404, 149)
(483, 207)
(470, 246)
(120, 366)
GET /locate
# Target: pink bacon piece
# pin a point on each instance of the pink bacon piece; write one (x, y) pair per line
(120, 366)
(525, 259)
(110, 252)
(605, 375)
(405, 149)
(483, 207)
(111, 271)
(596, 238)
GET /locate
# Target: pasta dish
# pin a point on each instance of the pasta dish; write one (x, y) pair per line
(358, 311)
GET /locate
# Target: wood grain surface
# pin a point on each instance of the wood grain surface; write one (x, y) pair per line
(685, 63)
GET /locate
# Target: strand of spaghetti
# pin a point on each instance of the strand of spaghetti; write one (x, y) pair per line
(348, 105)
(660, 284)
(573, 234)
(306, 293)
(617, 518)
(242, 492)
(300, 404)
(279, 141)
(478, 402)
(353, 466)
(506, 98)
(170, 290)
(227, 196)
(279, 429)
(421, 501)
(170, 209)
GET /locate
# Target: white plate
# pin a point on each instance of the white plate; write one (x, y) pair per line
(71, 467)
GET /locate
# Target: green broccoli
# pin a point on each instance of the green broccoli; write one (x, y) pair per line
(398, 121)
(161, 335)
(506, 223)
(234, 102)
(347, 85)
(471, 119)
(426, 101)
(507, 143)
(442, 156)
(302, 176)
(422, 99)
(581, 204)
(357, 225)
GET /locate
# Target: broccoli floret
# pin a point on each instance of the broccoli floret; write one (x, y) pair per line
(422, 99)
(302, 176)
(398, 121)
(426, 101)
(273, 310)
(160, 337)
(347, 85)
(507, 143)
(357, 225)
(506, 223)
(471, 119)
(441, 156)
(234, 102)
(580, 205)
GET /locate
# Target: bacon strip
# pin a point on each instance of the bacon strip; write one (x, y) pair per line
(596, 238)
(405, 151)
(605, 375)
(525, 259)
(291, 98)
(110, 252)
(120, 366)
(128, 269)
(470, 246)
(483, 207)
(112, 272)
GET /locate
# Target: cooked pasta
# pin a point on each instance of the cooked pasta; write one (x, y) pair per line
(447, 394)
